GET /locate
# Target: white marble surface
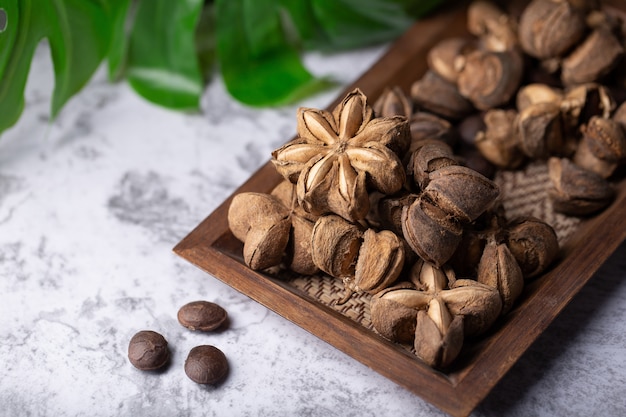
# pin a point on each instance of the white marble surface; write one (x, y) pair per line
(91, 206)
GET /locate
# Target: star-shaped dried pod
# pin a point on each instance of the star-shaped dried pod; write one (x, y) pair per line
(335, 244)
(499, 269)
(263, 224)
(595, 57)
(339, 156)
(478, 305)
(431, 156)
(549, 28)
(499, 141)
(540, 130)
(461, 192)
(602, 147)
(533, 243)
(435, 95)
(431, 233)
(497, 29)
(576, 191)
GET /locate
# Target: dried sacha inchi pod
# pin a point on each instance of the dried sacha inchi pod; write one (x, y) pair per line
(575, 190)
(273, 228)
(602, 147)
(498, 142)
(340, 156)
(434, 312)
(433, 224)
(498, 268)
(434, 94)
(549, 28)
(365, 260)
(533, 243)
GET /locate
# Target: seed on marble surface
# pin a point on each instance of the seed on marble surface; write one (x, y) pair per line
(148, 350)
(206, 364)
(202, 315)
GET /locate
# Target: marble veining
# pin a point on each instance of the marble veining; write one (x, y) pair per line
(91, 205)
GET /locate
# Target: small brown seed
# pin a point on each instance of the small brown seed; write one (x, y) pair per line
(206, 364)
(202, 315)
(148, 350)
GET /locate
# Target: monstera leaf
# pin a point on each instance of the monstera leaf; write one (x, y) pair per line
(78, 33)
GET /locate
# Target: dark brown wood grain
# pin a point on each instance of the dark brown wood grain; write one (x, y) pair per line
(211, 247)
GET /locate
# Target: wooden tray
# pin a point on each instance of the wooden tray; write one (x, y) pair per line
(212, 247)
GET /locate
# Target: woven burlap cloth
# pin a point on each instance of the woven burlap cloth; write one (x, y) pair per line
(523, 193)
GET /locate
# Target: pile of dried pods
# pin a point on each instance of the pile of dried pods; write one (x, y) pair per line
(390, 199)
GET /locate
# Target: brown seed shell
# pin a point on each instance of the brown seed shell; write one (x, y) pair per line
(262, 223)
(431, 156)
(540, 130)
(148, 350)
(547, 29)
(335, 245)
(203, 316)
(499, 142)
(595, 57)
(380, 261)
(533, 243)
(461, 192)
(206, 364)
(605, 138)
(443, 58)
(430, 232)
(575, 190)
(499, 269)
(490, 79)
(436, 95)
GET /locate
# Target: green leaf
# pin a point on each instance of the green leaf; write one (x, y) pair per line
(122, 16)
(259, 66)
(205, 42)
(78, 33)
(353, 23)
(300, 24)
(162, 65)
(331, 25)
